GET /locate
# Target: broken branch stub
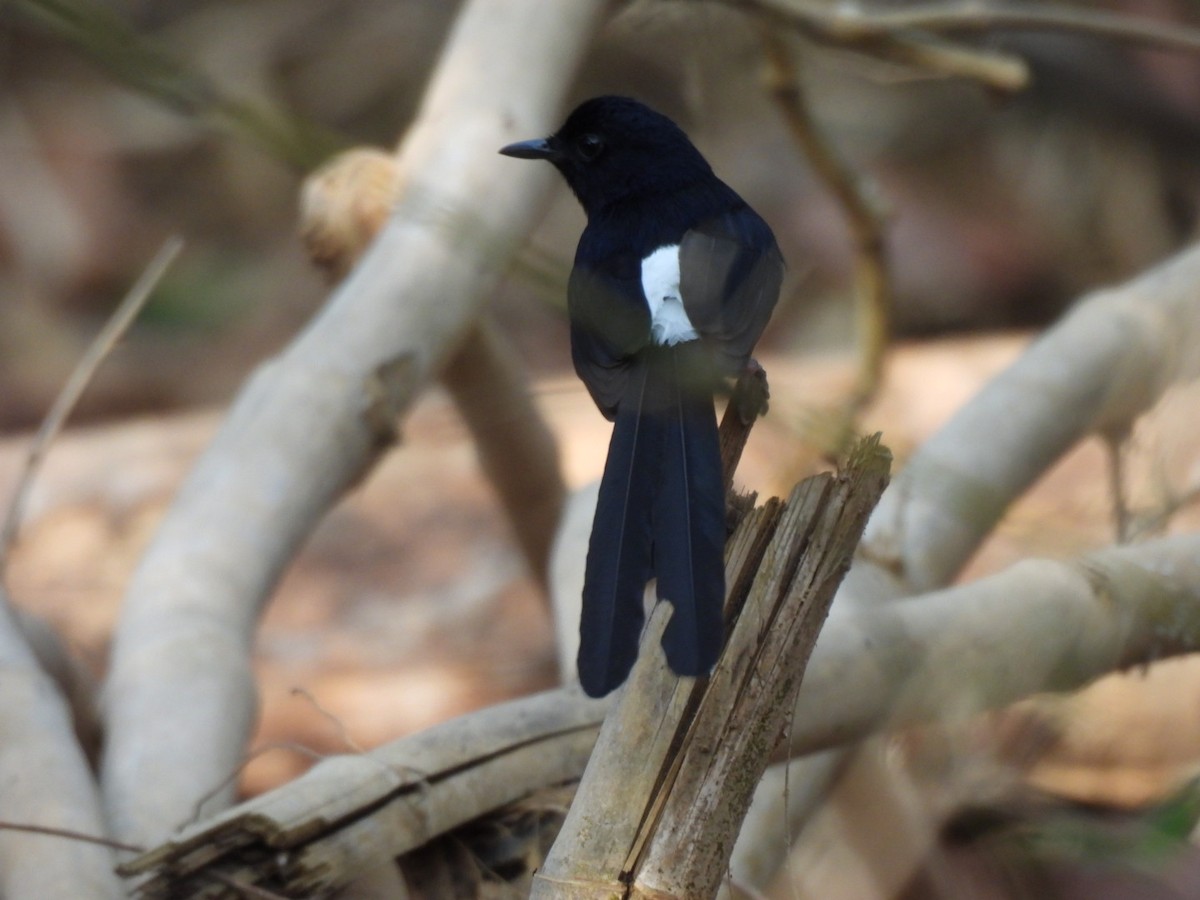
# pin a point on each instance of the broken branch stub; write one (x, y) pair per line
(677, 759)
(349, 813)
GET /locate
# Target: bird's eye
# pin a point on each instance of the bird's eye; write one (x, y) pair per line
(590, 146)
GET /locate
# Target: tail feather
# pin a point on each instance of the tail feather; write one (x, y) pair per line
(619, 551)
(660, 513)
(688, 527)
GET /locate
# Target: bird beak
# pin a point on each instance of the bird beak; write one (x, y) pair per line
(541, 148)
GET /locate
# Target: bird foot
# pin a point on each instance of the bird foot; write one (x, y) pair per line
(751, 394)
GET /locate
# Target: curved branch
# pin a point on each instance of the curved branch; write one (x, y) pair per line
(47, 783)
(1096, 371)
(344, 205)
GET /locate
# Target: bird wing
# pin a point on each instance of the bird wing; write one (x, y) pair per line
(609, 324)
(730, 270)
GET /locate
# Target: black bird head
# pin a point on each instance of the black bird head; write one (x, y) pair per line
(613, 148)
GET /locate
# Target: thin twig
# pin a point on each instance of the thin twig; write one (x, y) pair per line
(963, 18)
(244, 888)
(992, 68)
(342, 731)
(1156, 520)
(70, 835)
(873, 287)
(112, 332)
(293, 746)
(913, 35)
(1114, 443)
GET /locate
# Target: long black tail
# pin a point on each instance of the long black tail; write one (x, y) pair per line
(660, 513)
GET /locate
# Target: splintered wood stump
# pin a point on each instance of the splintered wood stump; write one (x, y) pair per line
(669, 782)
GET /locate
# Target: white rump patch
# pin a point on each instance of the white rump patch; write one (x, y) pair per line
(669, 322)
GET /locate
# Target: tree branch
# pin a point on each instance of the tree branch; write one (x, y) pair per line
(350, 813)
(344, 205)
(47, 783)
(1096, 371)
(864, 217)
(963, 18)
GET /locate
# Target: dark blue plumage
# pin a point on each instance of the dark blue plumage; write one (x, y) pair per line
(673, 282)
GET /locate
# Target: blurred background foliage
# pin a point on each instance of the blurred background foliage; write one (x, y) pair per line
(125, 121)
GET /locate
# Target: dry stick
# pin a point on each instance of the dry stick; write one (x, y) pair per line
(1049, 626)
(995, 70)
(1115, 447)
(112, 332)
(960, 18)
(992, 69)
(339, 726)
(1157, 519)
(862, 29)
(310, 423)
(69, 835)
(872, 289)
(746, 403)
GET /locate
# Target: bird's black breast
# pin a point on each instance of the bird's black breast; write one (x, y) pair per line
(730, 272)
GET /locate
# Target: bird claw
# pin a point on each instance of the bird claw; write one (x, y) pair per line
(751, 393)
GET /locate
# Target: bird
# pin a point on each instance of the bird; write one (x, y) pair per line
(674, 279)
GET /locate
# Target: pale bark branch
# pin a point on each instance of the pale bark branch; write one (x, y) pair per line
(344, 205)
(1096, 371)
(1037, 626)
(310, 423)
(350, 813)
(46, 782)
